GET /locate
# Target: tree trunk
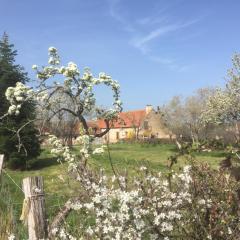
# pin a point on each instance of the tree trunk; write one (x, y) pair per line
(237, 133)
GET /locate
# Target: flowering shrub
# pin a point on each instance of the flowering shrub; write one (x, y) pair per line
(196, 203)
(152, 206)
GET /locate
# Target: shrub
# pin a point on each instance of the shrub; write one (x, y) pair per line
(196, 203)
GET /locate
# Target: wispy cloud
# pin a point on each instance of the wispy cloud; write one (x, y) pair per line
(114, 13)
(162, 60)
(143, 31)
(141, 42)
(170, 63)
(152, 20)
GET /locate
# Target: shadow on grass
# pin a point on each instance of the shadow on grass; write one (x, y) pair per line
(212, 154)
(44, 163)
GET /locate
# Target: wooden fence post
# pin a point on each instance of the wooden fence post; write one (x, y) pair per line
(1, 163)
(34, 208)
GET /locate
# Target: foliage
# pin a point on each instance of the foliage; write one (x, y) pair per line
(10, 132)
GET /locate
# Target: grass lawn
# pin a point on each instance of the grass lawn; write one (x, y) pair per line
(124, 157)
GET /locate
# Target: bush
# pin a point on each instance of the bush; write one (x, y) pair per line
(17, 161)
(154, 142)
(20, 161)
(196, 203)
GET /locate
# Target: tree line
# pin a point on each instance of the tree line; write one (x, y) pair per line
(210, 114)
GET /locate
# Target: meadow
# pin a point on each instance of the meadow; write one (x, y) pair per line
(58, 185)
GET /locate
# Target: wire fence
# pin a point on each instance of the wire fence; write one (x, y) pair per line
(11, 205)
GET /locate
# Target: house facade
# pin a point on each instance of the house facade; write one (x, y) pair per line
(139, 124)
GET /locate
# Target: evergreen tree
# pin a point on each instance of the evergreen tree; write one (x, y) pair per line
(18, 156)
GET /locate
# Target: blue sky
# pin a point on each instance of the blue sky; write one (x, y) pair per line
(155, 49)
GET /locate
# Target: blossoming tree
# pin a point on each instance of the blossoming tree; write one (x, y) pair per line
(76, 89)
(223, 106)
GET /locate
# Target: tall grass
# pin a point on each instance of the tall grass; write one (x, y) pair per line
(6, 210)
(9, 212)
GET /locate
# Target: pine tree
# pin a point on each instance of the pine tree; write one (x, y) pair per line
(10, 73)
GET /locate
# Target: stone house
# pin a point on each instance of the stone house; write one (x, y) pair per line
(139, 124)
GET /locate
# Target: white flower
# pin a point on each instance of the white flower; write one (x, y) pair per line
(143, 168)
(98, 150)
(54, 231)
(89, 231)
(34, 67)
(12, 109)
(17, 112)
(51, 60)
(89, 206)
(11, 237)
(52, 49)
(201, 202)
(165, 226)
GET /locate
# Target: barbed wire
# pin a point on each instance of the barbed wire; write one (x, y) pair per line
(4, 171)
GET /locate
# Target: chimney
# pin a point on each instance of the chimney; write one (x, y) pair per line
(148, 108)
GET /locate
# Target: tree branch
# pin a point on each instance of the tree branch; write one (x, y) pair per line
(98, 135)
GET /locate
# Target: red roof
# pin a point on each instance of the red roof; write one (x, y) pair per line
(126, 120)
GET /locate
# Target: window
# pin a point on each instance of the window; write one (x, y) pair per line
(117, 135)
(145, 125)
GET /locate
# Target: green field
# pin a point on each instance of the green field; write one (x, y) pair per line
(124, 157)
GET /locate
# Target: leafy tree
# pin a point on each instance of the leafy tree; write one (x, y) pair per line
(18, 156)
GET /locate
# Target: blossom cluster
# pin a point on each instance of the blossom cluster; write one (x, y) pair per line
(16, 96)
(149, 208)
(65, 154)
(62, 152)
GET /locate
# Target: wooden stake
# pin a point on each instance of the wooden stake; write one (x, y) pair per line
(34, 210)
(1, 162)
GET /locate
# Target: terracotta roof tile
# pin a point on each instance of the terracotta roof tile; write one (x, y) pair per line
(126, 120)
